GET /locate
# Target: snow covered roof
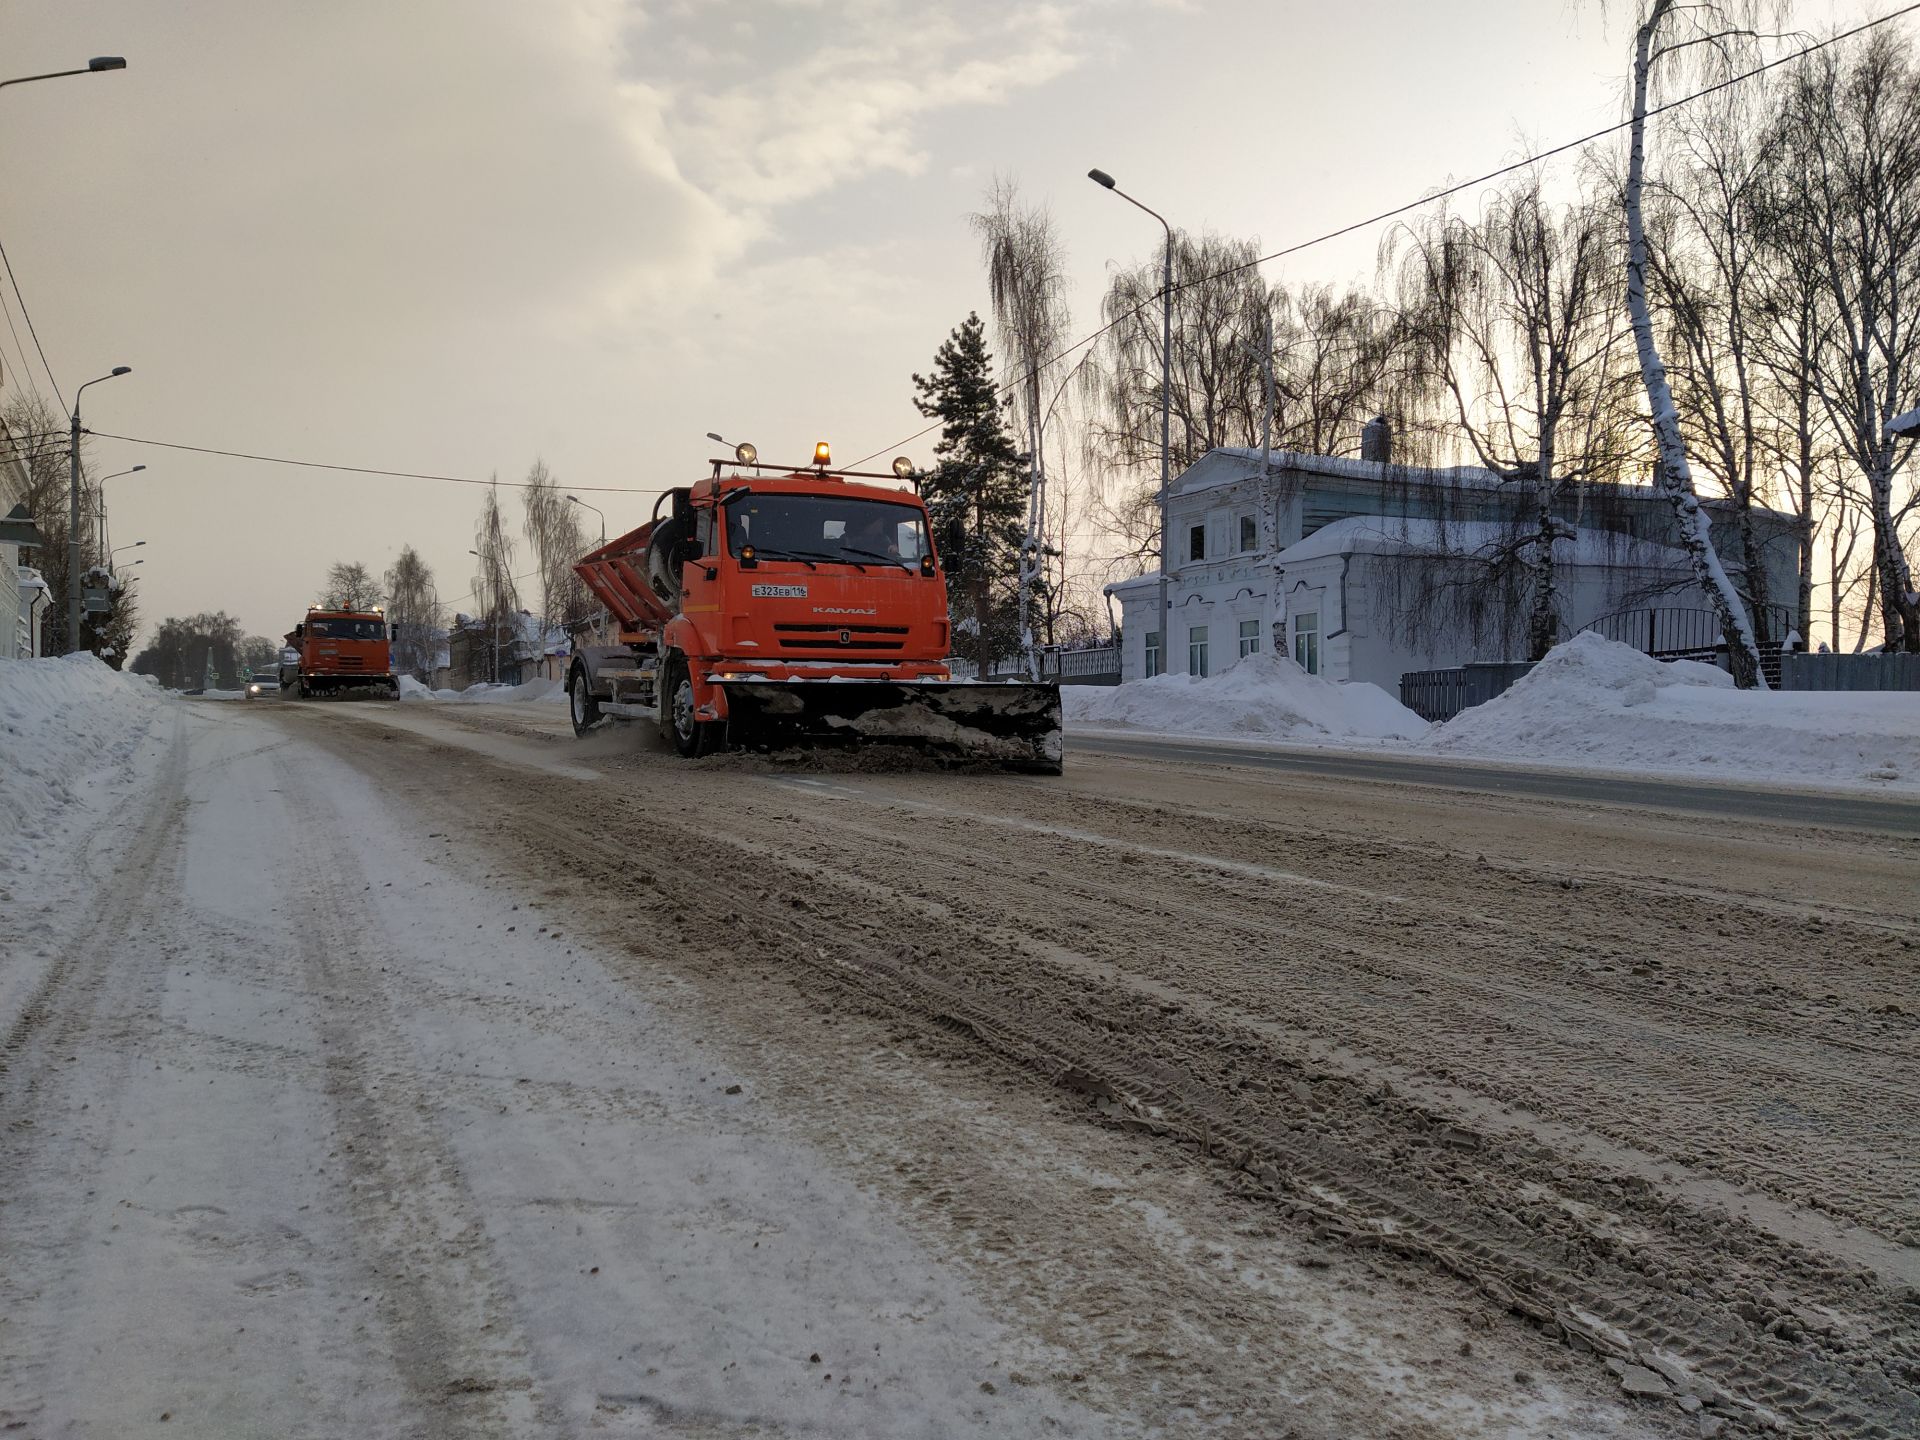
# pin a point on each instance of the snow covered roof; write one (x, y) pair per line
(1229, 465)
(1198, 477)
(1381, 535)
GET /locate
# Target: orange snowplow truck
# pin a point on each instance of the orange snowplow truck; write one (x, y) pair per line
(339, 651)
(766, 610)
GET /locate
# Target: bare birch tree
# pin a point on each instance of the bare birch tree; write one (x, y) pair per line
(1852, 124)
(558, 539)
(413, 609)
(496, 597)
(1670, 33)
(1708, 251)
(351, 586)
(1026, 278)
(1516, 332)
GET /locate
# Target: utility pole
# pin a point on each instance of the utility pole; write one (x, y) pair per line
(73, 514)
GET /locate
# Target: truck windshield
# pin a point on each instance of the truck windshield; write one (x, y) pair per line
(826, 527)
(338, 629)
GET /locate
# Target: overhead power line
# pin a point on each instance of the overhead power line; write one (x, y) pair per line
(20, 300)
(364, 469)
(1010, 386)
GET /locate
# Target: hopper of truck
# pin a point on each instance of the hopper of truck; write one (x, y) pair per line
(778, 610)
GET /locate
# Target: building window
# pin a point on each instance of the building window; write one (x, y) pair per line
(1249, 638)
(1197, 543)
(1197, 652)
(1249, 539)
(1153, 654)
(1306, 642)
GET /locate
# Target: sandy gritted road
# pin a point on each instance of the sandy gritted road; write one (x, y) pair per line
(417, 1070)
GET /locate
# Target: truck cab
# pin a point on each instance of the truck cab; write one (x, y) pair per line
(334, 651)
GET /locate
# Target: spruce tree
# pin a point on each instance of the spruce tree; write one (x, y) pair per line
(976, 493)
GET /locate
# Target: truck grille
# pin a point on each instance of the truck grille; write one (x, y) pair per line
(836, 629)
(834, 642)
(349, 662)
(869, 638)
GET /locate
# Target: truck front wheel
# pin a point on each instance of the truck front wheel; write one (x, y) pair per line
(586, 709)
(691, 736)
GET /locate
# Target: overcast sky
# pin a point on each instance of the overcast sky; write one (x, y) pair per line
(457, 235)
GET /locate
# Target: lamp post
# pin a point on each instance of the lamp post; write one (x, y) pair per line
(92, 67)
(1100, 177)
(73, 505)
(135, 546)
(101, 486)
(596, 510)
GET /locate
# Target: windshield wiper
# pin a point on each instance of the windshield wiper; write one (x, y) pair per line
(876, 555)
(805, 557)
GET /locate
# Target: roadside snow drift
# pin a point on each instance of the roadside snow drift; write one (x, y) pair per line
(1263, 696)
(550, 691)
(67, 725)
(1596, 703)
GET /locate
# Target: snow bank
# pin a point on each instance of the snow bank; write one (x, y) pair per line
(1263, 696)
(68, 726)
(1596, 703)
(542, 691)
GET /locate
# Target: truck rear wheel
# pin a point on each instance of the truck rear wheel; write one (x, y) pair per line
(690, 735)
(586, 709)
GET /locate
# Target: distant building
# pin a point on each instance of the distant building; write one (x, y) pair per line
(521, 649)
(1371, 569)
(23, 594)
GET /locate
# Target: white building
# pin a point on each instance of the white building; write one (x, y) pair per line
(23, 594)
(1363, 570)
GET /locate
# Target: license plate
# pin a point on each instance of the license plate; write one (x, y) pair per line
(779, 592)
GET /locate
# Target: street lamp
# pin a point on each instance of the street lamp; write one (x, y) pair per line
(1100, 177)
(100, 486)
(73, 507)
(92, 67)
(118, 548)
(596, 510)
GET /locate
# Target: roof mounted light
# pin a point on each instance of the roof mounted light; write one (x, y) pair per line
(822, 454)
(903, 467)
(745, 453)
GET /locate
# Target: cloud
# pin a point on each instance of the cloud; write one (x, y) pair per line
(825, 94)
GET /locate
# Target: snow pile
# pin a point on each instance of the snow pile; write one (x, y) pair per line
(68, 728)
(543, 691)
(1263, 696)
(1594, 702)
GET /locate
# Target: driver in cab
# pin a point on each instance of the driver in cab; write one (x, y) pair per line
(873, 535)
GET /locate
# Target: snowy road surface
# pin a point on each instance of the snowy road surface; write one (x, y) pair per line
(413, 1070)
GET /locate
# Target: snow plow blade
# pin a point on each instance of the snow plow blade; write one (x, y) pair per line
(1015, 725)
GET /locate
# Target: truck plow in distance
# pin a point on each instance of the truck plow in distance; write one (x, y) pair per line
(774, 610)
(1017, 726)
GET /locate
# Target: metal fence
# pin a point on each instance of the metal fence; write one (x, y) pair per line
(1082, 667)
(1098, 666)
(1850, 672)
(1443, 694)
